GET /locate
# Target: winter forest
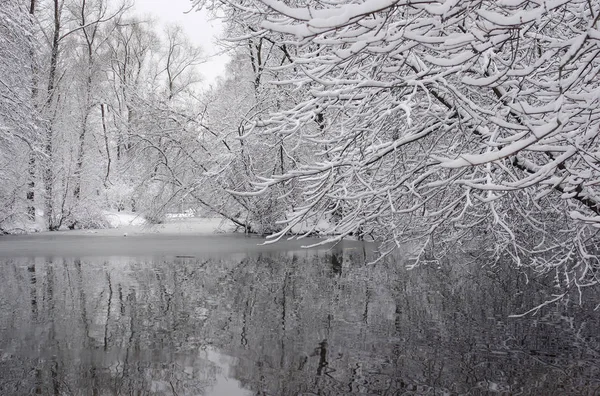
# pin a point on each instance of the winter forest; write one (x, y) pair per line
(443, 125)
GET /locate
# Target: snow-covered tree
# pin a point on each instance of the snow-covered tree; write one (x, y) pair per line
(154, 112)
(18, 115)
(237, 158)
(449, 123)
(70, 103)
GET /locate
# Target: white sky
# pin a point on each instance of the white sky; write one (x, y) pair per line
(198, 28)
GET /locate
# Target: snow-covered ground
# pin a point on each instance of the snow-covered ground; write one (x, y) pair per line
(129, 224)
(181, 223)
(123, 219)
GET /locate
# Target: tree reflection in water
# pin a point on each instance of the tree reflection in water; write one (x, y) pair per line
(284, 324)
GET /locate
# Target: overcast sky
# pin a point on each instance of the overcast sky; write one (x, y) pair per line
(196, 25)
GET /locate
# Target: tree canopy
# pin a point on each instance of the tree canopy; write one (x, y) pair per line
(443, 123)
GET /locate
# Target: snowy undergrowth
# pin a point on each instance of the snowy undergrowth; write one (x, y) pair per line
(131, 224)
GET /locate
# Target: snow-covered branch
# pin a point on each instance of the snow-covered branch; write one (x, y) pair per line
(462, 122)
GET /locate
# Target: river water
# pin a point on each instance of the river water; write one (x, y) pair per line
(154, 315)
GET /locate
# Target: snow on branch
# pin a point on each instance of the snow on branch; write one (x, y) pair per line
(487, 109)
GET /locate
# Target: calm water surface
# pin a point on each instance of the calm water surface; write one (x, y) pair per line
(98, 316)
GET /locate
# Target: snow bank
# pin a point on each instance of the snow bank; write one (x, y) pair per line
(131, 224)
(122, 219)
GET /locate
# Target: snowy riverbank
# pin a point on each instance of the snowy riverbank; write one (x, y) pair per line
(178, 236)
(129, 224)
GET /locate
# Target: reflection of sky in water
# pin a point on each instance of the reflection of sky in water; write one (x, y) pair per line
(283, 322)
(225, 385)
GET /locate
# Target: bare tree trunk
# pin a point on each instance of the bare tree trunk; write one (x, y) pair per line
(80, 155)
(89, 41)
(34, 93)
(48, 173)
(81, 151)
(107, 177)
(31, 187)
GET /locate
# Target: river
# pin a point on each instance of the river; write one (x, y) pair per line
(223, 315)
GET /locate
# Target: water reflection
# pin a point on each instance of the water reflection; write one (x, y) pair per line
(283, 324)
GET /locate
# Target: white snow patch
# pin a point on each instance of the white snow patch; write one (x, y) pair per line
(123, 219)
(322, 227)
(594, 220)
(131, 225)
(190, 225)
